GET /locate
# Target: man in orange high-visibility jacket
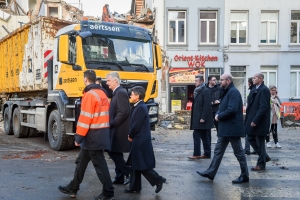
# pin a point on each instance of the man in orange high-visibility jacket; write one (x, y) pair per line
(93, 136)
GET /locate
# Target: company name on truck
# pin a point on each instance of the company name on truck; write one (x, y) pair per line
(105, 28)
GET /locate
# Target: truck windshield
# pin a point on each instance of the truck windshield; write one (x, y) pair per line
(117, 54)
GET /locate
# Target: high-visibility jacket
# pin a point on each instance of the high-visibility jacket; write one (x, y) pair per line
(92, 130)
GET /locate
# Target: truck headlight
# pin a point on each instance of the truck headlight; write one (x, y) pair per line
(153, 110)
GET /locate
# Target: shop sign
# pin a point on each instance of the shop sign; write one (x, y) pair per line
(176, 105)
(184, 75)
(196, 61)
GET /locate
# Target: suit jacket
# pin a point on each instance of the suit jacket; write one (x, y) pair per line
(141, 153)
(119, 114)
(258, 111)
(201, 109)
(230, 113)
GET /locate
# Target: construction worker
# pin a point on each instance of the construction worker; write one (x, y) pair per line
(93, 136)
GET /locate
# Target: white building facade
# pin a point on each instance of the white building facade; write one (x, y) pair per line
(264, 36)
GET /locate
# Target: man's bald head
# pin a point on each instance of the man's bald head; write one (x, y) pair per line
(225, 81)
(228, 76)
(258, 79)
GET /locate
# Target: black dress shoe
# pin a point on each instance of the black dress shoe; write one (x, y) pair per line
(247, 152)
(241, 180)
(127, 180)
(268, 159)
(160, 185)
(131, 191)
(205, 175)
(116, 181)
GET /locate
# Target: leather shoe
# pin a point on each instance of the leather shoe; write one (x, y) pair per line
(257, 168)
(116, 181)
(160, 185)
(241, 179)
(131, 191)
(204, 157)
(205, 175)
(268, 159)
(127, 180)
(253, 152)
(247, 152)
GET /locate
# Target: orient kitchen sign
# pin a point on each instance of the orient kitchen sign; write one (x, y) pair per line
(195, 61)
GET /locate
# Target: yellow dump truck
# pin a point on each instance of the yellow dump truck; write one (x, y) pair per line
(42, 65)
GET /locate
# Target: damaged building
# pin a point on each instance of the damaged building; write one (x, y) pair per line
(15, 13)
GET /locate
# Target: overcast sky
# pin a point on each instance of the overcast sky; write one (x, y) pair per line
(94, 7)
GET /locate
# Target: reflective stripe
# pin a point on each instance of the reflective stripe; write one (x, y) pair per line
(87, 114)
(95, 94)
(101, 114)
(102, 125)
(82, 125)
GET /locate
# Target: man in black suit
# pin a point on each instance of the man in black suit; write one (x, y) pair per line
(119, 114)
(257, 122)
(230, 118)
(201, 119)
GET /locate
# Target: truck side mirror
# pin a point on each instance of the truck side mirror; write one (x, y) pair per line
(63, 48)
(158, 56)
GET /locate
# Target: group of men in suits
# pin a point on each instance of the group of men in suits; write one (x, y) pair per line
(231, 125)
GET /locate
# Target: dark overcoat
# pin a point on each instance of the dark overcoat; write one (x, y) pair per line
(119, 114)
(141, 153)
(230, 114)
(258, 111)
(201, 109)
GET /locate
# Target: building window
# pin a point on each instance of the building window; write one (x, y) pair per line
(269, 28)
(177, 27)
(216, 72)
(270, 75)
(295, 24)
(238, 30)
(208, 27)
(53, 12)
(239, 79)
(295, 81)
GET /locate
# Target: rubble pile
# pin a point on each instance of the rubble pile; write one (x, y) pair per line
(178, 120)
(290, 121)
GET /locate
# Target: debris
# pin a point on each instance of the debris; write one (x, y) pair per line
(283, 167)
(178, 126)
(289, 122)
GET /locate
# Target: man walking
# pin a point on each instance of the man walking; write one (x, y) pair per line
(257, 122)
(201, 119)
(92, 135)
(215, 98)
(230, 117)
(247, 151)
(119, 113)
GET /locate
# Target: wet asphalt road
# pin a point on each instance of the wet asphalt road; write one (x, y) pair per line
(29, 169)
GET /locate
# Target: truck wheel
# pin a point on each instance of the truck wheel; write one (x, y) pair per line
(32, 132)
(19, 130)
(8, 129)
(58, 139)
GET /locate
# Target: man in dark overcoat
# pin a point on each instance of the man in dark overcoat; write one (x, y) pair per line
(119, 113)
(257, 121)
(201, 119)
(141, 157)
(230, 118)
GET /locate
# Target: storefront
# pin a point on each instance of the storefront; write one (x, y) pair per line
(185, 66)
